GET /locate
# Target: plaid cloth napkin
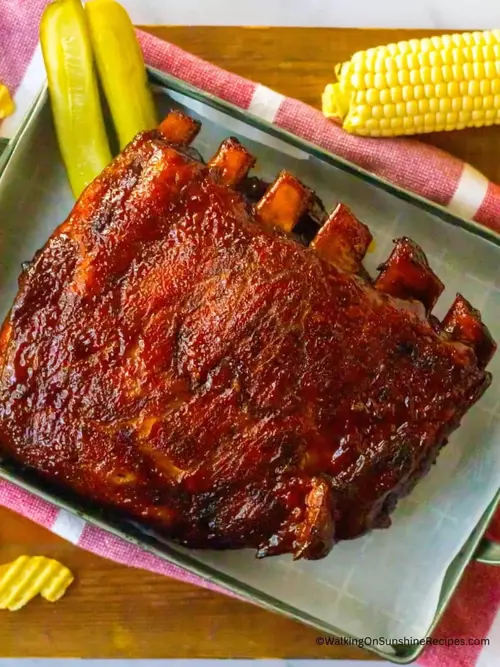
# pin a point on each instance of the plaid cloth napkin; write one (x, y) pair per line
(473, 612)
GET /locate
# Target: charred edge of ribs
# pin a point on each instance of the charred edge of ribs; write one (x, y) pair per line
(232, 162)
(343, 240)
(305, 230)
(463, 323)
(177, 128)
(284, 203)
(407, 275)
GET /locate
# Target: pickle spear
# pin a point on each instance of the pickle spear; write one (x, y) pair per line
(121, 69)
(74, 92)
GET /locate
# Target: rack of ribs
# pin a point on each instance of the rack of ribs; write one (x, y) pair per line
(178, 356)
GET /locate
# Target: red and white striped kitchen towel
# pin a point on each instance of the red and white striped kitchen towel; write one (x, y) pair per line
(473, 612)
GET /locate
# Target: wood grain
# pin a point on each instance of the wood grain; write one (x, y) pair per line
(299, 62)
(112, 611)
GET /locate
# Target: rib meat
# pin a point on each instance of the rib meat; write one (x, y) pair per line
(176, 355)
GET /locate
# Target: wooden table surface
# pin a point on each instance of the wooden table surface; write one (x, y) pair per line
(112, 611)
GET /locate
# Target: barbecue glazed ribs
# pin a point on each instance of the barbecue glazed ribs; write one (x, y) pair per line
(175, 354)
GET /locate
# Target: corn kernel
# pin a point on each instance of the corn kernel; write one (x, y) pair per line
(403, 77)
(491, 114)
(412, 108)
(419, 122)
(445, 104)
(434, 104)
(396, 94)
(372, 96)
(378, 111)
(407, 93)
(464, 116)
(478, 114)
(477, 37)
(458, 57)
(393, 49)
(463, 87)
(389, 110)
(418, 91)
(478, 102)
(412, 62)
(488, 52)
(435, 59)
(447, 57)
(408, 122)
(390, 65)
(440, 118)
(414, 45)
(429, 119)
(401, 109)
(442, 90)
(426, 74)
(357, 81)
(392, 79)
(477, 53)
(474, 88)
(426, 45)
(479, 71)
(456, 104)
(453, 89)
(385, 123)
(385, 96)
(436, 75)
(423, 59)
(485, 88)
(368, 80)
(400, 61)
(447, 42)
(371, 124)
(396, 123)
(490, 70)
(423, 106)
(451, 118)
(467, 103)
(495, 86)
(429, 90)
(436, 42)
(415, 77)
(447, 73)
(364, 111)
(467, 38)
(379, 81)
(468, 70)
(496, 101)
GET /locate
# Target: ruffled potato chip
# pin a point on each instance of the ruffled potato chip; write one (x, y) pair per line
(29, 576)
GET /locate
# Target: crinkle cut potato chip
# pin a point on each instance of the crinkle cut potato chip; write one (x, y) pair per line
(29, 576)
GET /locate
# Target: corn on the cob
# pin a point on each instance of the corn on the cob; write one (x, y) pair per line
(121, 69)
(416, 86)
(74, 94)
